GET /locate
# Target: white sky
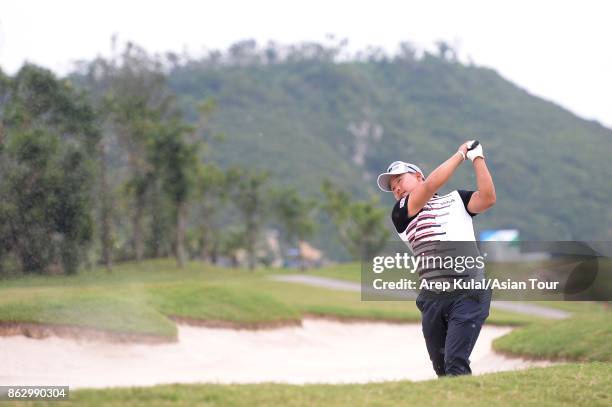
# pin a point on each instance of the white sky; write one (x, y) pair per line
(559, 50)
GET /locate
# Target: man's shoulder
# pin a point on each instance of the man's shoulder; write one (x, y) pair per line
(449, 194)
(464, 195)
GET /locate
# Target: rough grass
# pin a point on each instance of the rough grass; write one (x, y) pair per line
(584, 337)
(569, 384)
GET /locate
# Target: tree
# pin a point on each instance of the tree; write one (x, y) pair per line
(105, 202)
(177, 161)
(212, 189)
(360, 225)
(5, 85)
(231, 239)
(50, 140)
(136, 99)
(295, 216)
(249, 198)
(161, 151)
(446, 51)
(160, 213)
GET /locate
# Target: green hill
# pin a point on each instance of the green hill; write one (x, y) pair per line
(312, 119)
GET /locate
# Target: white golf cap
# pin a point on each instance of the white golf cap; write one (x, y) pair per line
(395, 168)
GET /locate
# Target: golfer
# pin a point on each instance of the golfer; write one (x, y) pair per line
(451, 319)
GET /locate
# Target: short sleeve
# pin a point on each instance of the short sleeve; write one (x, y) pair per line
(465, 197)
(399, 215)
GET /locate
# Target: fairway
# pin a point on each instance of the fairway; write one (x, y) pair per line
(145, 298)
(148, 298)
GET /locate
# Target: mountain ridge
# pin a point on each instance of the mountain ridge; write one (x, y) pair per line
(311, 120)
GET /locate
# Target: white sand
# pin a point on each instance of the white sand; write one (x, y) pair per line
(319, 352)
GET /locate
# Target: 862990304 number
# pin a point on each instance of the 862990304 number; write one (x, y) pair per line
(34, 392)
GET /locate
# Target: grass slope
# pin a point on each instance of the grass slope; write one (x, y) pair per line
(136, 297)
(92, 308)
(570, 384)
(585, 337)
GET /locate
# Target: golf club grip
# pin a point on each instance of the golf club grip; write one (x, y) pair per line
(474, 145)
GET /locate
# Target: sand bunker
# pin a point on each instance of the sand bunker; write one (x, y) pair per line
(321, 351)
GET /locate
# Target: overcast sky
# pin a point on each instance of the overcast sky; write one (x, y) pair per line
(559, 50)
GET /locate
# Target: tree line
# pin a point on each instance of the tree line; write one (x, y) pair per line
(103, 166)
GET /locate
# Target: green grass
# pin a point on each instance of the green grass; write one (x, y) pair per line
(569, 384)
(347, 271)
(210, 302)
(584, 337)
(572, 306)
(138, 298)
(145, 272)
(92, 309)
(321, 301)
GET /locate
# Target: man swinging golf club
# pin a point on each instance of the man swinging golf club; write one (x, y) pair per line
(452, 319)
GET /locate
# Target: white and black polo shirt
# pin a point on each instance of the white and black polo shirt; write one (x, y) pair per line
(443, 218)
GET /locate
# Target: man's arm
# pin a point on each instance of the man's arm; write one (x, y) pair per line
(423, 193)
(484, 198)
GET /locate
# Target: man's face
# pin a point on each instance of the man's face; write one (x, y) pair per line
(403, 184)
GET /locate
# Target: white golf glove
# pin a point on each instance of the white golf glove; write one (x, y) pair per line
(474, 150)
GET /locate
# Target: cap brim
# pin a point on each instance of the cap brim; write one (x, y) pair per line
(384, 181)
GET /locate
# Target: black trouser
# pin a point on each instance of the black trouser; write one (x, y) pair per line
(451, 327)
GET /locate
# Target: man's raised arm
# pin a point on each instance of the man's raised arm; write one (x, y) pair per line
(423, 193)
(485, 197)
